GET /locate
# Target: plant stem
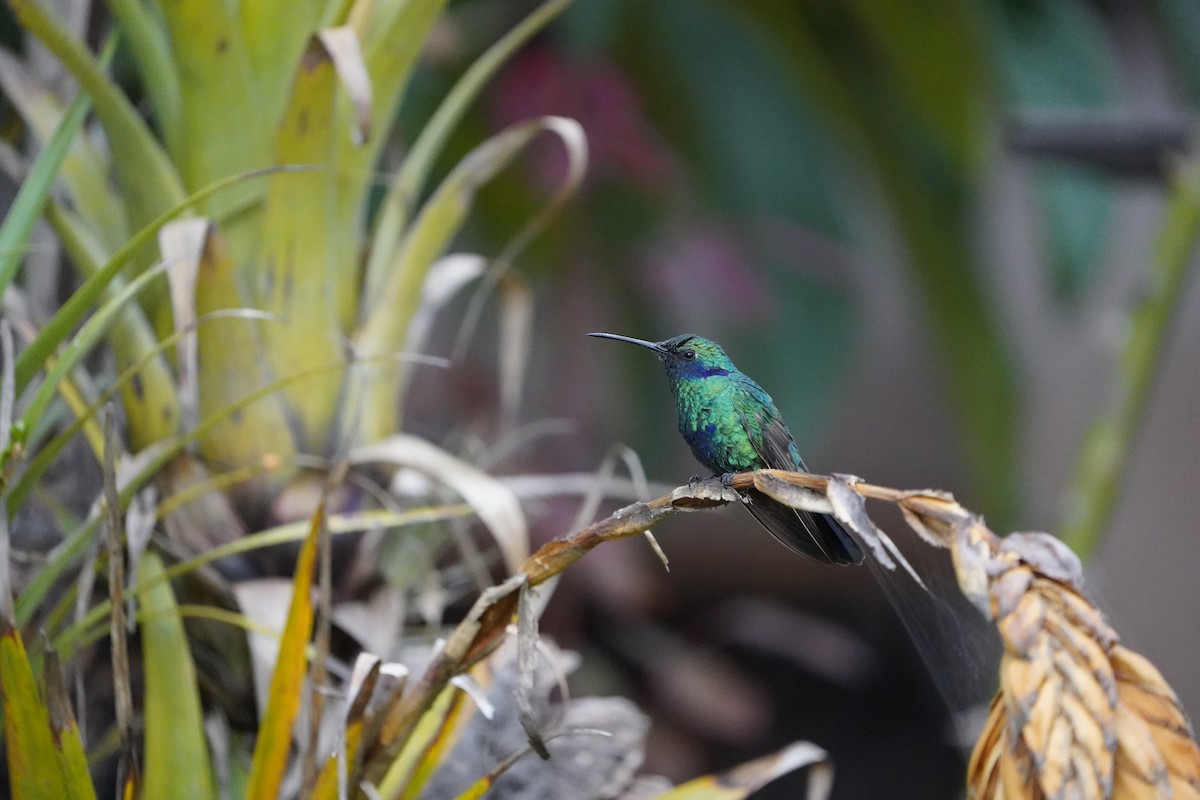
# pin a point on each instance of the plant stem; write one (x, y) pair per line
(1093, 494)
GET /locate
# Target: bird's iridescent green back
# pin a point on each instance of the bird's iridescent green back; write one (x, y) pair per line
(728, 420)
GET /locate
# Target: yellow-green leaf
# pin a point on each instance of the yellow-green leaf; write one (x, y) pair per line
(429, 742)
(275, 33)
(34, 771)
(229, 369)
(73, 761)
(297, 276)
(223, 127)
(176, 754)
(287, 682)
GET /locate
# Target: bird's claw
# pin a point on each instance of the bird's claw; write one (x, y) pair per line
(727, 479)
(692, 481)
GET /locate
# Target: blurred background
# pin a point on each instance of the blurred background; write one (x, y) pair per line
(923, 228)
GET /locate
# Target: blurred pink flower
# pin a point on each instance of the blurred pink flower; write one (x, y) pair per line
(598, 95)
(705, 273)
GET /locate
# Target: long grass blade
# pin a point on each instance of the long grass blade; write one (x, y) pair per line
(86, 170)
(150, 398)
(150, 181)
(27, 205)
(391, 313)
(402, 195)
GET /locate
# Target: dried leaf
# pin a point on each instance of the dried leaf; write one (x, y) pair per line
(741, 781)
(498, 508)
(182, 245)
(344, 51)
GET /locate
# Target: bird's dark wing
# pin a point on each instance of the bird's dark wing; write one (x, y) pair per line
(818, 536)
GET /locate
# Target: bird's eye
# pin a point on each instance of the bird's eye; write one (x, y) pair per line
(689, 354)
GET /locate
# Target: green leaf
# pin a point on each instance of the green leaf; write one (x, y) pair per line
(85, 170)
(27, 205)
(375, 389)
(401, 198)
(149, 397)
(230, 367)
(176, 750)
(392, 36)
(81, 344)
(929, 54)
(276, 33)
(151, 50)
(77, 306)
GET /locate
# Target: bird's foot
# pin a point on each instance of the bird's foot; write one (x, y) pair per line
(727, 479)
(692, 481)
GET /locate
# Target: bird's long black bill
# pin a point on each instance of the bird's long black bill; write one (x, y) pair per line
(655, 346)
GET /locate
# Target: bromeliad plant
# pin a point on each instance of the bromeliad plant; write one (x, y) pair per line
(268, 123)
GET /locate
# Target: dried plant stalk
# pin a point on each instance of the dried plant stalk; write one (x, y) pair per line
(1077, 713)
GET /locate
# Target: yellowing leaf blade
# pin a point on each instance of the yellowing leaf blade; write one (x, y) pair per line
(287, 682)
(77, 781)
(33, 764)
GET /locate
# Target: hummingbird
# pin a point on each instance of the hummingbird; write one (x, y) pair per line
(732, 425)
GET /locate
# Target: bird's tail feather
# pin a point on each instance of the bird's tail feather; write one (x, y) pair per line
(817, 536)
